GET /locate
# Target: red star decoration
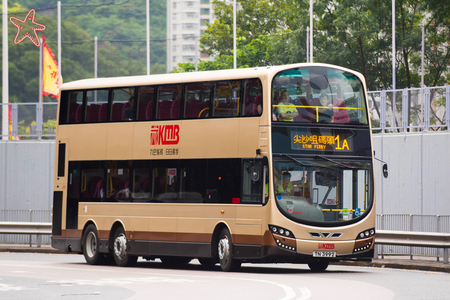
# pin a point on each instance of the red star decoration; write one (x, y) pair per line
(20, 24)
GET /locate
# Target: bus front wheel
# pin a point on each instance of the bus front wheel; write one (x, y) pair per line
(90, 246)
(120, 251)
(318, 265)
(225, 252)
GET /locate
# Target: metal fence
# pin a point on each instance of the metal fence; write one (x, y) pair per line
(401, 222)
(415, 109)
(17, 215)
(405, 222)
(29, 121)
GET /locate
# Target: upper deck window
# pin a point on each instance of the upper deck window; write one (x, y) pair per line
(226, 99)
(194, 100)
(318, 95)
(169, 102)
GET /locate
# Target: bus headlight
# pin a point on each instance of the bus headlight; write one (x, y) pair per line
(283, 237)
(364, 240)
(366, 234)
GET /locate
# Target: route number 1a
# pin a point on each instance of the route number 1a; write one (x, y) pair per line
(343, 146)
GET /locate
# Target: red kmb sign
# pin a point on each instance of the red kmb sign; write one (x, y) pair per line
(164, 135)
(326, 246)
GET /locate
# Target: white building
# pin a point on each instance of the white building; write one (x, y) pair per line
(186, 22)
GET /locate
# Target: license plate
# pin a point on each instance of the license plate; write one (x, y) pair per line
(324, 254)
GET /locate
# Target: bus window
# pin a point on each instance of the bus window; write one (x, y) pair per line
(169, 102)
(165, 184)
(95, 100)
(253, 182)
(140, 185)
(224, 181)
(226, 99)
(197, 100)
(319, 95)
(253, 98)
(193, 181)
(145, 103)
(92, 175)
(121, 102)
(117, 180)
(75, 107)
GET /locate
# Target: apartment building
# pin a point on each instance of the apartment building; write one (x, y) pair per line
(186, 22)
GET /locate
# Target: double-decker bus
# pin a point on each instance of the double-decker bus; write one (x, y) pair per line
(268, 164)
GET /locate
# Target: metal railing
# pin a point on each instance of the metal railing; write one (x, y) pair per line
(24, 216)
(412, 223)
(387, 222)
(415, 109)
(414, 239)
(29, 228)
(27, 121)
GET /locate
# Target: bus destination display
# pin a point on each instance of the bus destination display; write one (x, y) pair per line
(325, 140)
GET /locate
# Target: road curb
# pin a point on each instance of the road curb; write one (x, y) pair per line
(414, 265)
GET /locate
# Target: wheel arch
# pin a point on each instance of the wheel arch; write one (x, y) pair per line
(216, 236)
(115, 225)
(88, 222)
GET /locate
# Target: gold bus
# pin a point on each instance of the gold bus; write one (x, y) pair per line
(268, 164)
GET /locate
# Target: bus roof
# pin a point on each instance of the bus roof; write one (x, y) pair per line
(108, 82)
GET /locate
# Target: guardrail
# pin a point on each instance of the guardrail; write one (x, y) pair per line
(383, 237)
(31, 228)
(414, 239)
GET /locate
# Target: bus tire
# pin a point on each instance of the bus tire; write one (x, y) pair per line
(225, 252)
(120, 250)
(91, 246)
(319, 265)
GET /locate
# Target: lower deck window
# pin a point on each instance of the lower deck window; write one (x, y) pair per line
(166, 181)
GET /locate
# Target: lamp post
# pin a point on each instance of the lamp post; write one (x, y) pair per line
(234, 35)
(311, 32)
(5, 78)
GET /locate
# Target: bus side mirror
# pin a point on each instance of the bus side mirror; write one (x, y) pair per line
(385, 170)
(254, 173)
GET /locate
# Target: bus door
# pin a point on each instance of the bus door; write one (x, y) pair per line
(249, 210)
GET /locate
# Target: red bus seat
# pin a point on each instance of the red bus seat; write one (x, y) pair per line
(79, 114)
(142, 107)
(149, 111)
(103, 113)
(73, 112)
(256, 103)
(340, 115)
(175, 109)
(92, 113)
(127, 104)
(192, 109)
(117, 112)
(164, 110)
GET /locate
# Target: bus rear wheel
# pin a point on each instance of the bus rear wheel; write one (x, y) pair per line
(318, 265)
(225, 252)
(91, 246)
(120, 250)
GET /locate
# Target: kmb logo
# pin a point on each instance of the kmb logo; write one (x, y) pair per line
(164, 135)
(326, 246)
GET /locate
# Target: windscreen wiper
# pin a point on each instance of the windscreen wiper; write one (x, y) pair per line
(294, 160)
(335, 162)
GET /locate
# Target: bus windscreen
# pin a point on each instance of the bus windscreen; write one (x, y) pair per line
(323, 190)
(318, 95)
